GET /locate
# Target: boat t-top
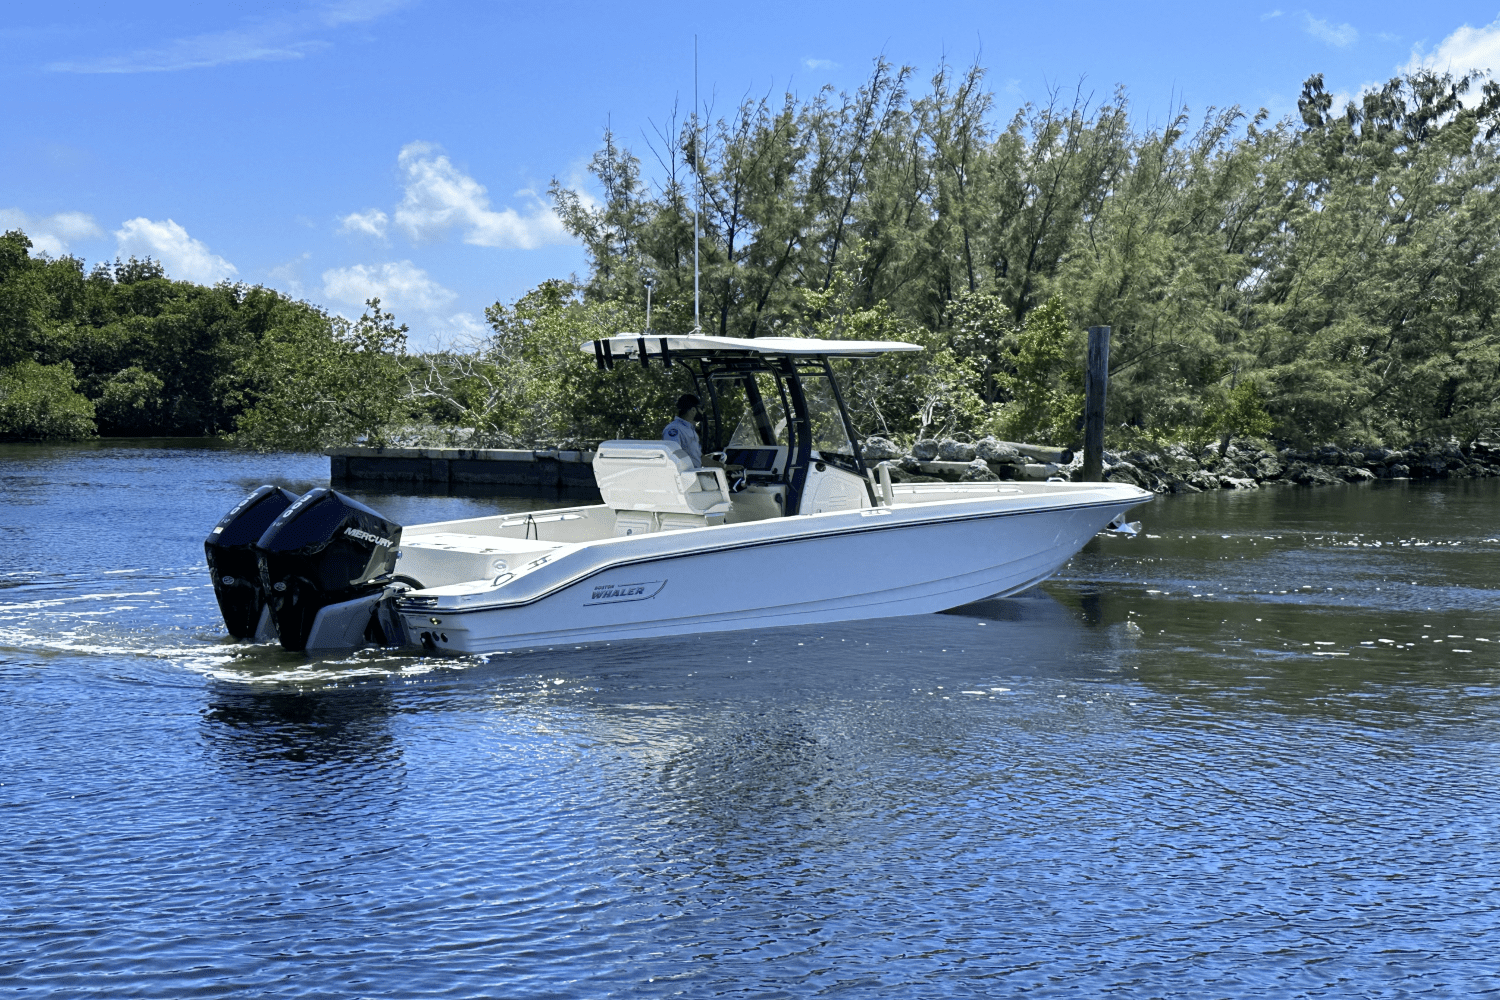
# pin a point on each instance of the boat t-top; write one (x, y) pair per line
(785, 524)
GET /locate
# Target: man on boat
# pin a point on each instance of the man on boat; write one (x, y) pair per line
(683, 431)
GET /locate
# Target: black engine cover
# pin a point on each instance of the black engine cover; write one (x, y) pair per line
(233, 560)
(324, 549)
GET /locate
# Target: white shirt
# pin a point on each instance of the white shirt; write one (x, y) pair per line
(685, 436)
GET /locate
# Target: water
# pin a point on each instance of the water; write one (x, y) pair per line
(1251, 752)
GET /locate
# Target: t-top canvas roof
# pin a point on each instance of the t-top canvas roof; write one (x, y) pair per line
(623, 345)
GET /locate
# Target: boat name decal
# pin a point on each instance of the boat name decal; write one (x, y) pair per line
(614, 593)
(365, 536)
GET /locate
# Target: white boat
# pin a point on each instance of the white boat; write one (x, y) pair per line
(789, 528)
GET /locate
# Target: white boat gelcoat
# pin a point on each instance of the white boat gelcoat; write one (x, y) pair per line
(921, 555)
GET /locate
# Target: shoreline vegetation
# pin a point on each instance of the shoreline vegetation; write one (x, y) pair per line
(1317, 295)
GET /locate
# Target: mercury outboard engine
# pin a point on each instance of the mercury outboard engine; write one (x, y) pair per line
(233, 561)
(324, 563)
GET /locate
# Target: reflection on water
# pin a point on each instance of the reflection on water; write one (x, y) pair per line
(1247, 752)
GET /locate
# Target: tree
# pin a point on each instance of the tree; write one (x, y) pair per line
(1343, 263)
(322, 382)
(1044, 382)
(38, 403)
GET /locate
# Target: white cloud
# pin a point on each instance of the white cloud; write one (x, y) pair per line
(183, 257)
(1268, 15)
(288, 37)
(370, 223)
(1467, 48)
(400, 285)
(289, 274)
(817, 64)
(1341, 99)
(1338, 35)
(53, 233)
(440, 197)
(464, 330)
(412, 295)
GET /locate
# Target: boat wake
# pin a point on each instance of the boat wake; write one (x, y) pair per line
(167, 617)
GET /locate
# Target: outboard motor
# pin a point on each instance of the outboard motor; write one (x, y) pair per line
(233, 561)
(324, 564)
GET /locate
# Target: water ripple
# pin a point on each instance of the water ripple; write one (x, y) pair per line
(1245, 765)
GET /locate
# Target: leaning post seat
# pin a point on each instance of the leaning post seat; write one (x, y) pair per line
(654, 486)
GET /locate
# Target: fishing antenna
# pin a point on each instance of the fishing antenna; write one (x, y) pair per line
(698, 202)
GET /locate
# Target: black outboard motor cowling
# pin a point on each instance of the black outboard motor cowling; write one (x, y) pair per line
(323, 550)
(234, 563)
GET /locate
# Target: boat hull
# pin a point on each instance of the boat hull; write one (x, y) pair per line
(871, 563)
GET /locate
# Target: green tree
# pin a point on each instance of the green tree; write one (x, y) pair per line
(323, 382)
(1045, 380)
(38, 403)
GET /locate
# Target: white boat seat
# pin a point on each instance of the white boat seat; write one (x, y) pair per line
(653, 477)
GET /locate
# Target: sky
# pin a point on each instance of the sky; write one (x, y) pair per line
(342, 149)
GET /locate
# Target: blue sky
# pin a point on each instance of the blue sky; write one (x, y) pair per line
(337, 149)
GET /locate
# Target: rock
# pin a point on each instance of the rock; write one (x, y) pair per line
(1330, 454)
(900, 475)
(978, 472)
(1308, 474)
(1429, 467)
(925, 450)
(1245, 452)
(1145, 461)
(878, 449)
(1355, 474)
(1450, 451)
(997, 451)
(1124, 472)
(950, 450)
(1233, 483)
(1172, 484)
(909, 465)
(1434, 459)
(1269, 467)
(1204, 480)
(1177, 460)
(1397, 471)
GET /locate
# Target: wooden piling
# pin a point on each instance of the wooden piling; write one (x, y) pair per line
(1096, 382)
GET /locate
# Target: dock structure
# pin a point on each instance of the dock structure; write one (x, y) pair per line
(568, 472)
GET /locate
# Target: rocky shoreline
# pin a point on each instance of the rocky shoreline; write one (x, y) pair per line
(1245, 465)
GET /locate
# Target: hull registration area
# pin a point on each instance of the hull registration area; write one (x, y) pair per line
(615, 593)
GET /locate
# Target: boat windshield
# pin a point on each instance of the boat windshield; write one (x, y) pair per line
(829, 435)
(752, 404)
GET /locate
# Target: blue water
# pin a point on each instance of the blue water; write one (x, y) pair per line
(1252, 752)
